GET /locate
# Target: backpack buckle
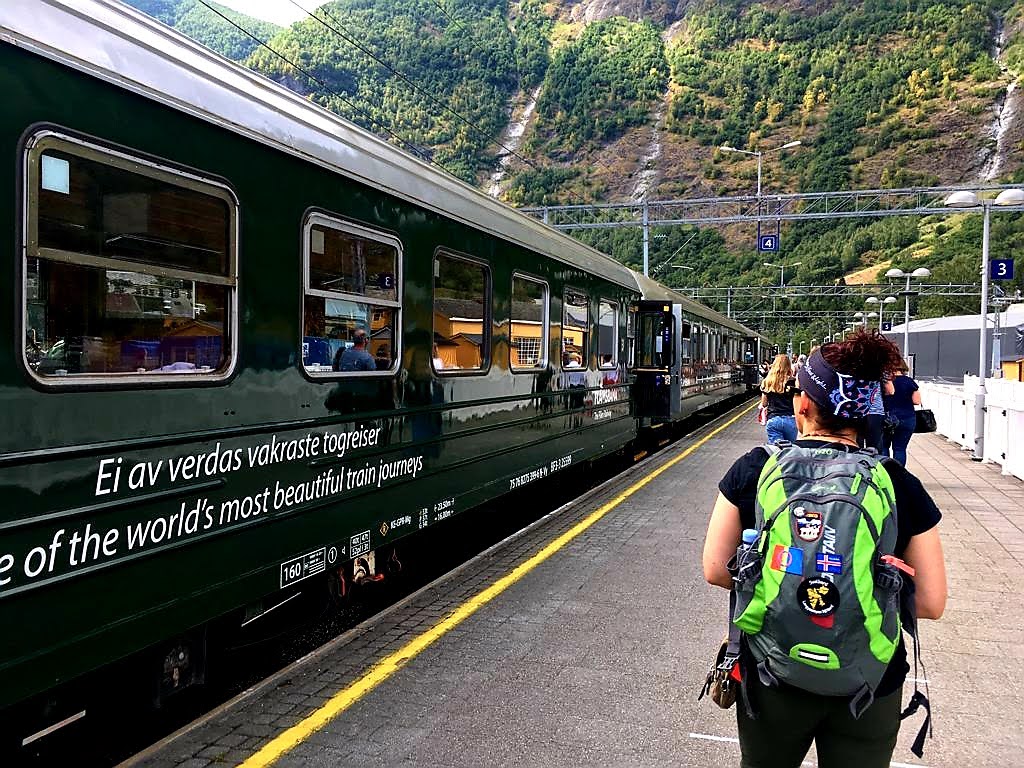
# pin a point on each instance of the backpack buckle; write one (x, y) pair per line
(887, 577)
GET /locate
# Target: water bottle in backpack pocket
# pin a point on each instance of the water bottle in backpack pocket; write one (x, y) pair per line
(745, 566)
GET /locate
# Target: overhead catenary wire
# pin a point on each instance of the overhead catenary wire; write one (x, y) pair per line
(414, 149)
(451, 18)
(419, 152)
(347, 37)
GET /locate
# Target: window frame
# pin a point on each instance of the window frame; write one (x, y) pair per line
(341, 224)
(486, 321)
(615, 334)
(632, 318)
(143, 164)
(561, 341)
(545, 331)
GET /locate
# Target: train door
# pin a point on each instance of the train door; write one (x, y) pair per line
(751, 356)
(656, 371)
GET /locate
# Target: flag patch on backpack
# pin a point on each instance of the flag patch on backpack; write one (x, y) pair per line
(826, 563)
(788, 559)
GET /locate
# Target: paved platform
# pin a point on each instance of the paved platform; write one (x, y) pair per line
(594, 657)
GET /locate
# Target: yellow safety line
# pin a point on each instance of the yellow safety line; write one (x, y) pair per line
(389, 665)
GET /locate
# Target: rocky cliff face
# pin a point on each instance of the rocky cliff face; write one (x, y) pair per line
(661, 12)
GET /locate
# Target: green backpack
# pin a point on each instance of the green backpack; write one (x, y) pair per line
(819, 607)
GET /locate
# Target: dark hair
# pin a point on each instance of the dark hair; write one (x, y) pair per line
(864, 354)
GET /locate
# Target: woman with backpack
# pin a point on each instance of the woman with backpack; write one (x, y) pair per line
(900, 395)
(821, 653)
(777, 391)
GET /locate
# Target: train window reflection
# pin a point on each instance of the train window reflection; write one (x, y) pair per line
(461, 315)
(654, 341)
(686, 352)
(130, 266)
(529, 332)
(351, 305)
(575, 330)
(608, 334)
(343, 262)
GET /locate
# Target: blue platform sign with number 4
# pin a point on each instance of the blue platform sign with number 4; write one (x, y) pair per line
(768, 243)
(1000, 269)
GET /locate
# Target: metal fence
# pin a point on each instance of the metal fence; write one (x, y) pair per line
(999, 434)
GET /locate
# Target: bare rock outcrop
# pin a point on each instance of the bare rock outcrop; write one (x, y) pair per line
(662, 12)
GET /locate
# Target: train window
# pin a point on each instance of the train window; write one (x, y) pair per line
(461, 315)
(655, 340)
(607, 334)
(529, 332)
(351, 304)
(130, 267)
(685, 331)
(575, 330)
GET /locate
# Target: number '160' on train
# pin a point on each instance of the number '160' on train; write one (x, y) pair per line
(246, 345)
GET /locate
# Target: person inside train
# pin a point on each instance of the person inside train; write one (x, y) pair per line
(355, 358)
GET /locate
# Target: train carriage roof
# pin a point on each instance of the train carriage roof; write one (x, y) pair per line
(121, 45)
(655, 291)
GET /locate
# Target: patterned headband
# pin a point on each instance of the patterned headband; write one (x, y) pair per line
(838, 393)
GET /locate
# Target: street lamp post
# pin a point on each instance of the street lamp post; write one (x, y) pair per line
(881, 307)
(861, 318)
(759, 153)
(782, 270)
(966, 199)
(920, 273)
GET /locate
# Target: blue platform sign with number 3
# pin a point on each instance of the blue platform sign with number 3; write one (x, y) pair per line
(1000, 269)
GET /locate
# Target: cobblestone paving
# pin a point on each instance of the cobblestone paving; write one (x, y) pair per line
(594, 658)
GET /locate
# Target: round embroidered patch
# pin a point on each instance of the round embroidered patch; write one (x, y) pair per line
(807, 525)
(818, 596)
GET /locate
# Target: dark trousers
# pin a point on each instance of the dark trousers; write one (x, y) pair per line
(898, 440)
(872, 436)
(790, 719)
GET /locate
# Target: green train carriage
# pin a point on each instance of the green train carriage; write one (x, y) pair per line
(193, 249)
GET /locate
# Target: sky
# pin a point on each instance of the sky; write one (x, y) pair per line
(281, 12)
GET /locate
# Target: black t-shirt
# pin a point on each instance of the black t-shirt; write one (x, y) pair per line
(916, 513)
(781, 403)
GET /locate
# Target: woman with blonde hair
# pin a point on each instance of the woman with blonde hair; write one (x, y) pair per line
(777, 392)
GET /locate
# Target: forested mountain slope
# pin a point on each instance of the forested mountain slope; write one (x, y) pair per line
(633, 97)
(199, 23)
